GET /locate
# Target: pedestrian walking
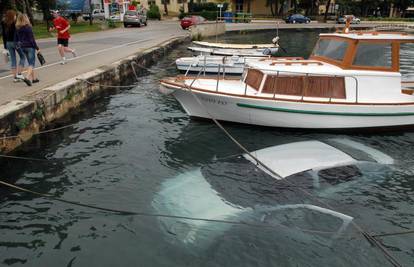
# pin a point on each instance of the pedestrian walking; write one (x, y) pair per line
(8, 25)
(62, 26)
(26, 42)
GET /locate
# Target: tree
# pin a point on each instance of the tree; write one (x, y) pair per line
(165, 7)
(45, 6)
(325, 16)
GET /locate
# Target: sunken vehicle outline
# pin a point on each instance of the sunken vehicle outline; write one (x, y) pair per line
(200, 193)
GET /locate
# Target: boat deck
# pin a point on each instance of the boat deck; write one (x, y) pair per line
(238, 88)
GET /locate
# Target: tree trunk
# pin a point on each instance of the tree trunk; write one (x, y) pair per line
(29, 11)
(248, 6)
(90, 13)
(165, 8)
(271, 2)
(328, 4)
(280, 11)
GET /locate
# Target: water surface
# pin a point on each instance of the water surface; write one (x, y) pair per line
(137, 150)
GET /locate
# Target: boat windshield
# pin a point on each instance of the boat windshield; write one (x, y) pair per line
(373, 55)
(331, 48)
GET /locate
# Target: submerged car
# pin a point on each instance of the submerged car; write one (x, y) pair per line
(135, 18)
(342, 19)
(239, 189)
(297, 18)
(186, 22)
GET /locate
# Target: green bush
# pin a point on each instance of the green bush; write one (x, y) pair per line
(111, 23)
(154, 12)
(208, 15)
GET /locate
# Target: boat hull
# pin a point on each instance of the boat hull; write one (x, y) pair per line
(293, 114)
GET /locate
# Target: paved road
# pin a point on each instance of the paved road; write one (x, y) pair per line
(93, 49)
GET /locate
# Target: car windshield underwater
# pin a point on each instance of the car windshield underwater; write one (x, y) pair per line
(294, 196)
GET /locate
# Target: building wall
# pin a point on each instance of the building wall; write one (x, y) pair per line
(257, 7)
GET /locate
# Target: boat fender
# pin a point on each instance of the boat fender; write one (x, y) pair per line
(271, 51)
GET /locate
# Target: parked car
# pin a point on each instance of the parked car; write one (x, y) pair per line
(342, 19)
(115, 17)
(297, 18)
(191, 20)
(135, 18)
(96, 14)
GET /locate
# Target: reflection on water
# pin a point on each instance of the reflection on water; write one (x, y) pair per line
(128, 147)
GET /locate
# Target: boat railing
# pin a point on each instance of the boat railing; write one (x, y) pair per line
(221, 74)
(306, 75)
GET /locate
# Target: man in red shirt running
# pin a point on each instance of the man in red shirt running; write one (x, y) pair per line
(62, 26)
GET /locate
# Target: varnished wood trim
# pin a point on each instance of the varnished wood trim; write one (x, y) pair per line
(183, 87)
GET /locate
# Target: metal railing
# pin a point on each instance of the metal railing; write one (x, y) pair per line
(221, 72)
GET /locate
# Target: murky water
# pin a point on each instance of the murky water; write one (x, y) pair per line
(137, 150)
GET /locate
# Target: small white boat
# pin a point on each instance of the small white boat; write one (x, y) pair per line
(221, 64)
(233, 46)
(213, 64)
(351, 80)
(253, 52)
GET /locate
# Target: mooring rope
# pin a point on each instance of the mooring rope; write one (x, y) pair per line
(158, 215)
(370, 238)
(41, 132)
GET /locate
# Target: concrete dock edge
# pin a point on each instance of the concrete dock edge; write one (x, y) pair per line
(23, 118)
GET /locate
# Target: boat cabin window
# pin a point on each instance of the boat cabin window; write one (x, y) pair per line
(331, 48)
(373, 55)
(254, 78)
(310, 86)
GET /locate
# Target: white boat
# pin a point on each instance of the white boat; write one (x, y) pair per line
(252, 52)
(221, 64)
(233, 46)
(351, 80)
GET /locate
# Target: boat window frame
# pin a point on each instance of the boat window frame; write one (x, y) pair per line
(395, 56)
(339, 63)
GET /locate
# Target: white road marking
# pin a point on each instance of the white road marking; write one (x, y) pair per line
(86, 55)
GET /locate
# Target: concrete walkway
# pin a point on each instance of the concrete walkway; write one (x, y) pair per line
(94, 50)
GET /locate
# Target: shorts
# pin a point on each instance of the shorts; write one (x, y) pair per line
(11, 47)
(30, 55)
(64, 42)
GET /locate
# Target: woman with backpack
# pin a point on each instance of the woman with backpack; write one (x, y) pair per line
(8, 25)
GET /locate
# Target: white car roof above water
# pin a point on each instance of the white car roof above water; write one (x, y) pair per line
(288, 159)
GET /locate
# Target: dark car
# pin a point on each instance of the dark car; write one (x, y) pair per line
(297, 18)
(192, 20)
(135, 18)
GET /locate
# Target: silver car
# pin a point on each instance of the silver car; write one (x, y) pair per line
(135, 18)
(342, 19)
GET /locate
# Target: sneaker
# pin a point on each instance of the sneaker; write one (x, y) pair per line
(35, 81)
(63, 62)
(18, 78)
(74, 53)
(27, 82)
